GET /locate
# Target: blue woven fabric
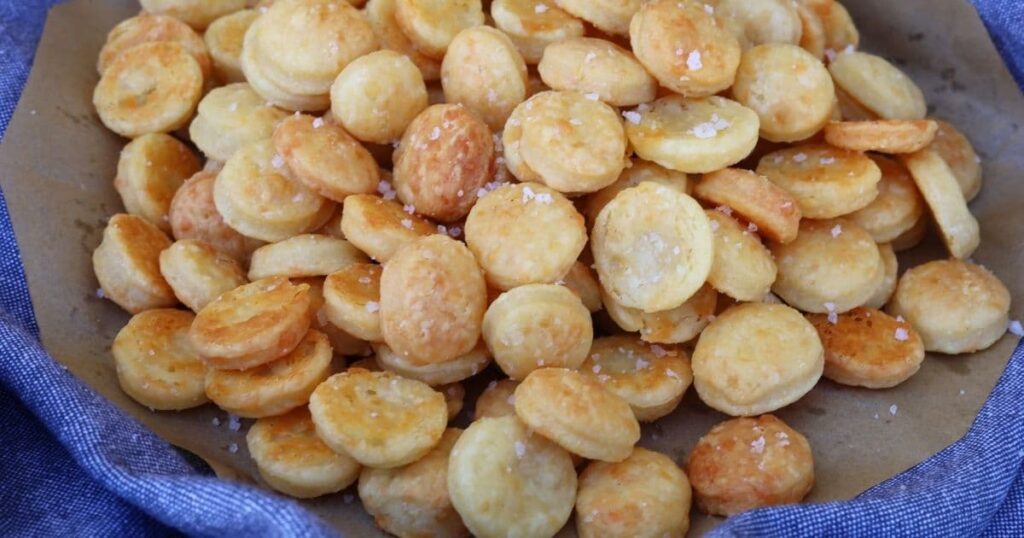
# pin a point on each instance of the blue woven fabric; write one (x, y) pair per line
(74, 464)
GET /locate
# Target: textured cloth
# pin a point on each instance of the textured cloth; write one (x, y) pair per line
(75, 464)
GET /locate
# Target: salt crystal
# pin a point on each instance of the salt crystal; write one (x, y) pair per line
(800, 157)
(540, 8)
(100, 294)
(460, 193)
(576, 121)
(680, 51)
(752, 228)
(671, 373)
(233, 107)
(962, 392)
(827, 160)
(704, 131)
(632, 117)
(348, 498)
(454, 231)
(757, 446)
(709, 9)
(589, 57)
(277, 161)
(435, 133)
(837, 230)
(892, 409)
(441, 229)
(233, 448)
(374, 414)
(520, 449)
(511, 399)
(528, 194)
(1015, 327)
(693, 61)
(596, 368)
(233, 423)
(642, 364)
(372, 306)
(33, 112)
(215, 421)
(318, 123)
(592, 96)
(901, 334)
(724, 209)
(831, 55)
(545, 198)
(365, 280)
(409, 208)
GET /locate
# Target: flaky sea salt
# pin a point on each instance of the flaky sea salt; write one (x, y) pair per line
(833, 317)
(693, 61)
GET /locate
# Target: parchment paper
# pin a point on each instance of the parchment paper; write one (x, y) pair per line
(57, 164)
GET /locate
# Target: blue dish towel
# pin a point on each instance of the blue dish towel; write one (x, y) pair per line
(72, 463)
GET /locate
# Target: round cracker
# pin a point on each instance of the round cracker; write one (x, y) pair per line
(755, 358)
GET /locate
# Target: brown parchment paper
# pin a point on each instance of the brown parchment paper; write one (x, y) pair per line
(57, 163)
